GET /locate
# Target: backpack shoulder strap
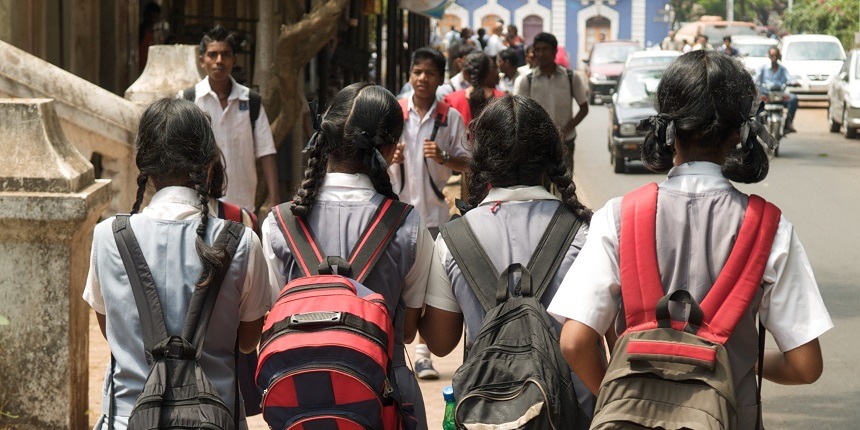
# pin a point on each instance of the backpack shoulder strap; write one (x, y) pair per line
(254, 103)
(552, 248)
(300, 239)
(570, 79)
(442, 113)
(641, 286)
(190, 94)
(376, 236)
(404, 106)
(145, 295)
(203, 299)
(740, 278)
(229, 211)
(473, 261)
(529, 79)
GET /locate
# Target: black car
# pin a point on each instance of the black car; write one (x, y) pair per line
(632, 102)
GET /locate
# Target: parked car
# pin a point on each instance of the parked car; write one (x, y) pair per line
(753, 51)
(645, 58)
(843, 110)
(813, 59)
(715, 29)
(633, 102)
(604, 64)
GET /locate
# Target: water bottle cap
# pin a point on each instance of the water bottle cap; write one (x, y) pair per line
(448, 393)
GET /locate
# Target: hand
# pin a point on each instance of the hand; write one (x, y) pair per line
(432, 151)
(398, 154)
(565, 131)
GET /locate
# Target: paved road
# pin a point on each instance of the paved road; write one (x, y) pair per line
(816, 182)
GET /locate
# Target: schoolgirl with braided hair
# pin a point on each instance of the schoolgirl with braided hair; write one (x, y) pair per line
(482, 73)
(344, 183)
(176, 154)
(705, 135)
(515, 145)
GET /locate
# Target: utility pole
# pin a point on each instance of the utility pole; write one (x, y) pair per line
(730, 10)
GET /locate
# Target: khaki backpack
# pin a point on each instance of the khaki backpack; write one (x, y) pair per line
(670, 374)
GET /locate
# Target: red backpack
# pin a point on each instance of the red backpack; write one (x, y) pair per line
(232, 212)
(328, 344)
(677, 374)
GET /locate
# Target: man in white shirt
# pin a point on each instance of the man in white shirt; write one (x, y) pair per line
(509, 73)
(229, 106)
(495, 43)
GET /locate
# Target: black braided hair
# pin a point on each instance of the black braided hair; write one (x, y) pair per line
(142, 180)
(708, 97)
(516, 142)
(175, 146)
(477, 66)
(362, 119)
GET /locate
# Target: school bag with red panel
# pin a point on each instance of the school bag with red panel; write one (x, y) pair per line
(328, 343)
(441, 120)
(671, 374)
(232, 212)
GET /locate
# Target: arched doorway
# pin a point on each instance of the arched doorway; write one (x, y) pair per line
(448, 20)
(594, 28)
(532, 25)
(489, 21)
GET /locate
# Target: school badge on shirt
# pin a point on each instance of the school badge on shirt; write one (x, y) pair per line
(243, 105)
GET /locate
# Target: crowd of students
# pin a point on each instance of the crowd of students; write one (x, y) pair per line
(369, 148)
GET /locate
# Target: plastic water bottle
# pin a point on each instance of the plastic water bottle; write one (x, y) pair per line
(448, 395)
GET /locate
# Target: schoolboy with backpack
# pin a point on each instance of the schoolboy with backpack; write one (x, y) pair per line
(354, 261)
(514, 375)
(691, 263)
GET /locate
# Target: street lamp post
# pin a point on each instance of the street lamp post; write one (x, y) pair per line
(730, 10)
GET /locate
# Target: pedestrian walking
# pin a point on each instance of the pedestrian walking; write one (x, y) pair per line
(514, 144)
(482, 74)
(558, 90)
(239, 121)
(456, 57)
(430, 149)
(175, 150)
(345, 183)
(690, 227)
(509, 73)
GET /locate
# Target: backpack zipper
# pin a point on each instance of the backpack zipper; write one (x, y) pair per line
(513, 394)
(353, 330)
(303, 288)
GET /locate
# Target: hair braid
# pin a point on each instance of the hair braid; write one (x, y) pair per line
(560, 176)
(213, 257)
(314, 176)
(142, 179)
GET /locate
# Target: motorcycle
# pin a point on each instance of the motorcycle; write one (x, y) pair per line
(774, 113)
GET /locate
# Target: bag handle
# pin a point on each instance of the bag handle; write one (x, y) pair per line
(341, 266)
(524, 285)
(694, 320)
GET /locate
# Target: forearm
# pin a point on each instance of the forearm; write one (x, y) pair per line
(458, 164)
(578, 345)
(269, 166)
(802, 365)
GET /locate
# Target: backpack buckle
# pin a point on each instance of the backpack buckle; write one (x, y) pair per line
(387, 389)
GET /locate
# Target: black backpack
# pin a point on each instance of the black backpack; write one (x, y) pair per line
(514, 375)
(177, 394)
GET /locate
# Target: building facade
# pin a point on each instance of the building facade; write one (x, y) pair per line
(576, 23)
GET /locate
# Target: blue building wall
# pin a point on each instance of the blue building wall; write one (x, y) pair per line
(655, 31)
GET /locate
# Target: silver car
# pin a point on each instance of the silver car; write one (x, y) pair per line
(843, 110)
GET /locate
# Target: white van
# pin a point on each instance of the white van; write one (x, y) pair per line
(813, 59)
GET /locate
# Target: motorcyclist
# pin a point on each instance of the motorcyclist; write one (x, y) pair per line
(777, 76)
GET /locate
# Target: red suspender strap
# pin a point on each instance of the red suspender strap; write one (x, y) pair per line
(376, 237)
(641, 287)
(299, 239)
(741, 277)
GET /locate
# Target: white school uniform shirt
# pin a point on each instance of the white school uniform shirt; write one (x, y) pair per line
(358, 188)
(495, 44)
(591, 291)
(417, 190)
(241, 148)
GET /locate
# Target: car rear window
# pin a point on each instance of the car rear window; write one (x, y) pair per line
(646, 61)
(716, 33)
(754, 50)
(611, 53)
(811, 51)
(637, 86)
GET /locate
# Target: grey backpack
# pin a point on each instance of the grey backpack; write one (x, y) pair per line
(514, 376)
(177, 394)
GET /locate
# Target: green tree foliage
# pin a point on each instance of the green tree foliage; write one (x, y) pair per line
(835, 17)
(745, 10)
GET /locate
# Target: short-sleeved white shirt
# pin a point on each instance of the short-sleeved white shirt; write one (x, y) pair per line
(553, 93)
(358, 188)
(417, 190)
(240, 145)
(791, 307)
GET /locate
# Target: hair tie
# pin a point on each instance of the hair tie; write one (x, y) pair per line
(368, 145)
(663, 127)
(316, 121)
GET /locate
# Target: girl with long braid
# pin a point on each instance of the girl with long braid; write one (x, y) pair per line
(482, 73)
(515, 144)
(175, 153)
(344, 183)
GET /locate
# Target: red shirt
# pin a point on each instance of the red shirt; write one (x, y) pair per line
(459, 101)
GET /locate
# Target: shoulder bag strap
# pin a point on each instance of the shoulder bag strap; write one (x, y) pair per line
(570, 79)
(142, 285)
(473, 261)
(552, 248)
(254, 102)
(641, 287)
(377, 235)
(203, 300)
(740, 278)
(758, 418)
(300, 240)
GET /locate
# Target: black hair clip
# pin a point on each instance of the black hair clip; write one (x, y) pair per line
(316, 121)
(663, 127)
